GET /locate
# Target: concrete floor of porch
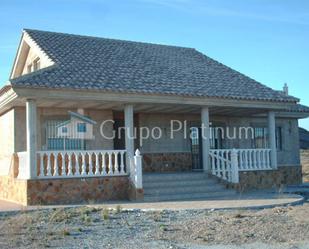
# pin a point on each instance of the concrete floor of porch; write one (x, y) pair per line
(252, 200)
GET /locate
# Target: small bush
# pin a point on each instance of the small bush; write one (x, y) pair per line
(66, 232)
(86, 218)
(118, 209)
(60, 215)
(157, 216)
(105, 214)
(163, 228)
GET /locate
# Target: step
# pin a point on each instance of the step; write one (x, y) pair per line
(186, 189)
(225, 194)
(159, 177)
(176, 183)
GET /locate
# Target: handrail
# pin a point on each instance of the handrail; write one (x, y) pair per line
(227, 163)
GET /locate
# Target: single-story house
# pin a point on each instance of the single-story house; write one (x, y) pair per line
(116, 83)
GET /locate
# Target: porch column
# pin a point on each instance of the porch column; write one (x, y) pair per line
(205, 139)
(272, 138)
(128, 122)
(31, 119)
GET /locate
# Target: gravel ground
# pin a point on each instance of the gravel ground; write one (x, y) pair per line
(88, 227)
(305, 164)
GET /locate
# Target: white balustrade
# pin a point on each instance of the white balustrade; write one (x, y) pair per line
(67, 164)
(254, 159)
(226, 164)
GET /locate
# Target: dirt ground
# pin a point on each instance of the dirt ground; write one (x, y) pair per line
(102, 228)
(305, 164)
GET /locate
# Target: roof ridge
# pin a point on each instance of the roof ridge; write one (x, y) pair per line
(104, 38)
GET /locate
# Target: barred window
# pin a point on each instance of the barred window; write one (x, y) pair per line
(56, 140)
(261, 138)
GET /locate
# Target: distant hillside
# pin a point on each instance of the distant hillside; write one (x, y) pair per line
(304, 138)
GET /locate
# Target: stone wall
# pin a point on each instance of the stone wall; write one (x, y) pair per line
(13, 189)
(81, 190)
(266, 179)
(167, 162)
(63, 191)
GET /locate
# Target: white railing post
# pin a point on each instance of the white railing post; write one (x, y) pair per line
(136, 173)
(234, 166)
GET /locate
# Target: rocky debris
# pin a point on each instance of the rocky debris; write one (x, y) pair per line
(89, 227)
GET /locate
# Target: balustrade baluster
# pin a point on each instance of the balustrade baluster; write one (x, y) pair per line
(122, 162)
(116, 166)
(48, 170)
(84, 164)
(110, 166)
(42, 173)
(63, 173)
(97, 164)
(56, 165)
(70, 164)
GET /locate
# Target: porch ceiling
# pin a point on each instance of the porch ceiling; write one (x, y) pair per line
(147, 107)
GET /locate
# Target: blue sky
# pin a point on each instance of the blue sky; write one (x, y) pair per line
(267, 40)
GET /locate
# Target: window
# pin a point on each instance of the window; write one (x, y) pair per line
(64, 129)
(55, 141)
(29, 68)
(261, 138)
(279, 138)
(81, 127)
(216, 138)
(36, 64)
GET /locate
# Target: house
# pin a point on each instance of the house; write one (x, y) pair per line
(190, 104)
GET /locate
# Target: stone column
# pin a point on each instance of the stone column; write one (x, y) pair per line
(205, 138)
(31, 119)
(129, 127)
(272, 138)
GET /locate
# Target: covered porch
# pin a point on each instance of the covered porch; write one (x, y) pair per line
(224, 162)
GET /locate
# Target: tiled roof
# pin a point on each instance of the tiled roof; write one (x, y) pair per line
(298, 108)
(84, 62)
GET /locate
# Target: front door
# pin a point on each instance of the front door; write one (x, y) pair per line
(196, 148)
(197, 145)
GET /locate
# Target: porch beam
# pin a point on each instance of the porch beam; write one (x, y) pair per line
(205, 138)
(145, 98)
(272, 138)
(31, 119)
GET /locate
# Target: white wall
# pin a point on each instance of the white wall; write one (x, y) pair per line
(6, 141)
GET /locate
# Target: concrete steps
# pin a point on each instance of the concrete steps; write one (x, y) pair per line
(300, 189)
(182, 186)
